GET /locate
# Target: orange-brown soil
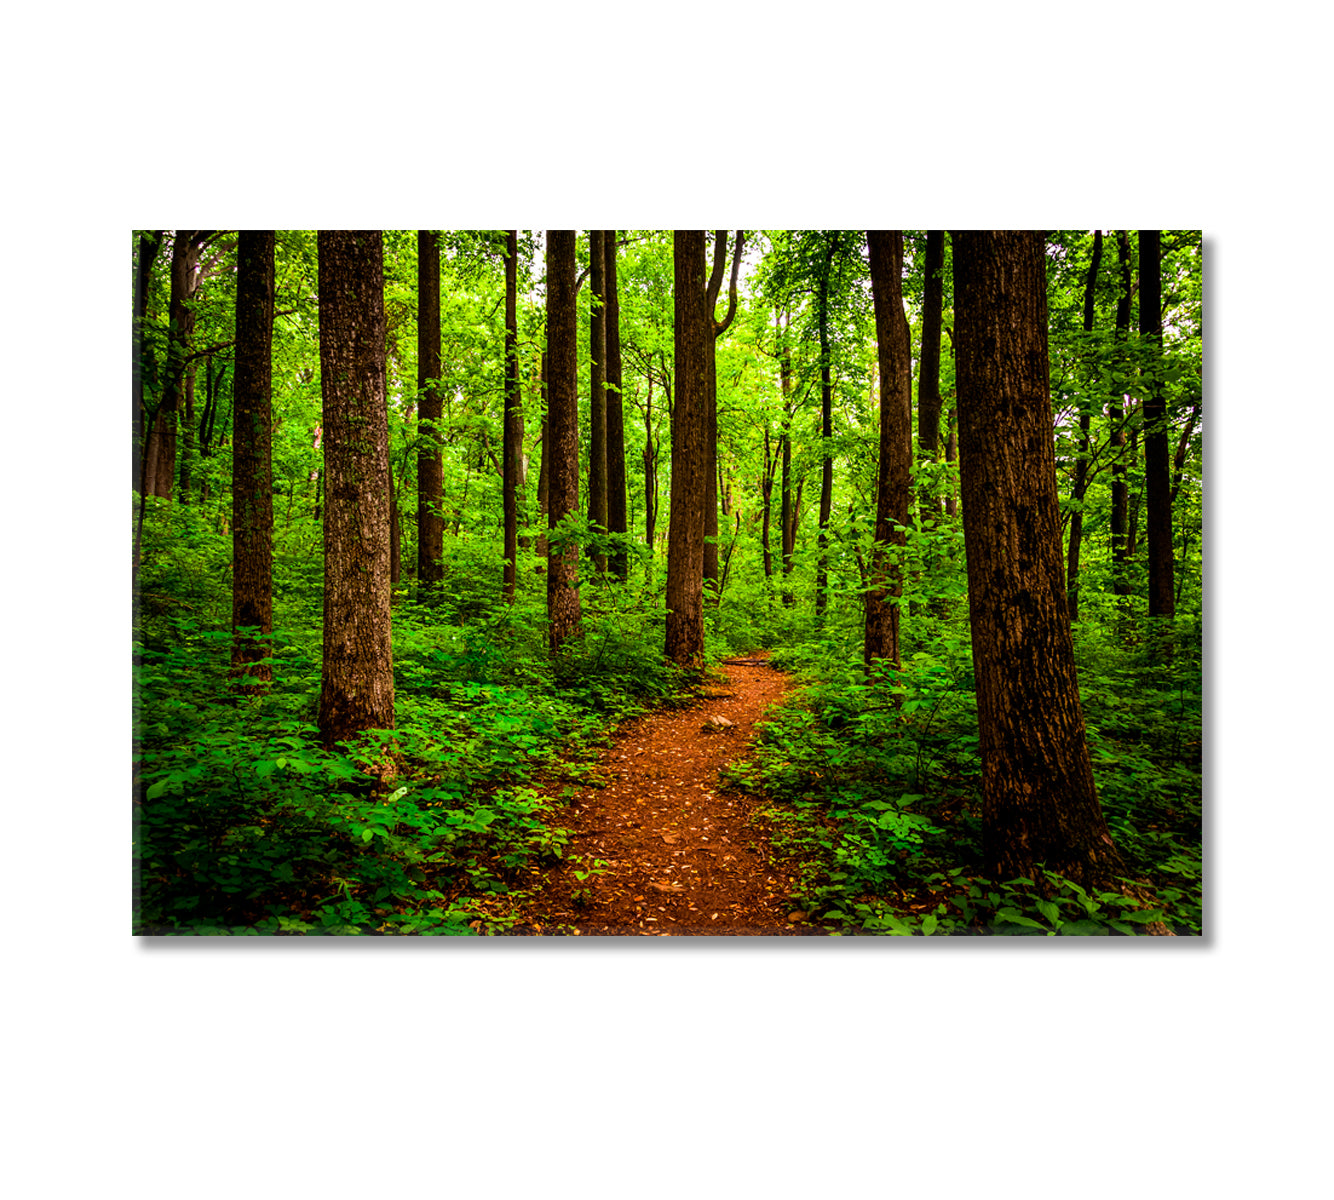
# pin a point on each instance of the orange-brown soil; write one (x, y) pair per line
(662, 848)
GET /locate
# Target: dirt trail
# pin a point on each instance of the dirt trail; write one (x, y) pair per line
(679, 855)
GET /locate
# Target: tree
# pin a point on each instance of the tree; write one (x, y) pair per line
(430, 407)
(1117, 414)
(717, 329)
(894, 471)
(597, 408)
(1039, 803)
(1157, 469)
(512, 433)
(141, 364)
(685, 539)
(1080, 487)
(831, 240)
(617, 516)
(357, 689)
(561, 458)
(928, 387)
(252, 465)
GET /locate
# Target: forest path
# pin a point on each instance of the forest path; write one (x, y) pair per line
(679, 856)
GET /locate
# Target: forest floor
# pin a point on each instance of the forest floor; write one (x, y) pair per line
(657, 846)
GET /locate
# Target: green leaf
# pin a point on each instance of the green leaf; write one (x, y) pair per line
(158, 788)
(1049, 909)
(929, 923)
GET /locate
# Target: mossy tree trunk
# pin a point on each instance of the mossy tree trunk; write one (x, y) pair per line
(430, 406)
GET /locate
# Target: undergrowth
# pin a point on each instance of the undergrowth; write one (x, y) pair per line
(875, 787)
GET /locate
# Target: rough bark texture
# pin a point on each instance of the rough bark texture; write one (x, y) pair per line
(928, 384)
(1039, 803)
(430, 406)
(1157, 464)
(685, 540)
(512, 434)
(597, 408)
(1082, 465)
(252, 471)
(894, 475)
(561, 459)
(617, 516)
(358, 682)
(543, 468)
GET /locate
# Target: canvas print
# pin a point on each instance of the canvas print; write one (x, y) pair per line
(642, 583)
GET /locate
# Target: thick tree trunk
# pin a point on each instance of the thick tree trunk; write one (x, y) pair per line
(685, 546)
(564, 615)
(252, 470)
(894, 475)
(1039, 804)
(597, 374)
(512, 434)
(358, 682)
(430, 407)
(928, 385)
(650, 472)
(766, 497)
(1082, 464)
(1157, 464)
(617, 517)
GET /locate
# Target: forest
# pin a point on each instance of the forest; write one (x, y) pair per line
(749, 582)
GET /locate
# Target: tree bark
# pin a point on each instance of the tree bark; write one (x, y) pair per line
(685, 545)
(430, 408)
(617, 517)
(252, 469)
(358, 680)
(564, 615)
(894, 474)
(1039, 803)
(1080, 487)
(597, 374)
(160, 455)
(511, 434)
(1157, 464)
(928, 385)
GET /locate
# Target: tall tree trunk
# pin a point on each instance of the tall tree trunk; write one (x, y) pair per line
(1120, 492)
(952, 456)
(826, 433)
(1039, 804)
(650, 472)
(717, 329)
(617, 518)
(252, 469)
(685, 546)
(512, 434)
(894, 475)
(544, 465)
(564, 615)
(928, 385)
(358, 682)
(160, 456)
(1082, 463)
(766, 497)
(597, 374)
(1157, 467)
(141, 369)
(430, 408)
